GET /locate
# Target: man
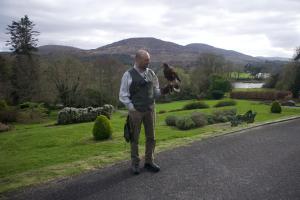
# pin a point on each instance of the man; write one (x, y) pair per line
(139, 88)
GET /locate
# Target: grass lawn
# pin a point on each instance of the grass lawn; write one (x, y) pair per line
(253, 89)
(34, 153)
(242, 75)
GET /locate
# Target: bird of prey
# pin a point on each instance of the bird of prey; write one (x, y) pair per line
(171, 75)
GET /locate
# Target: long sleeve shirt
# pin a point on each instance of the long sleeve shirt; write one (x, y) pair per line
(148, 75)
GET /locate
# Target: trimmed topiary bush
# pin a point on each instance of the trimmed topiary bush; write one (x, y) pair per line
(171, 120)
(199, 119)
(275, 107)
(185, 123)
(225, 103)
(195, 105)
(102, 128)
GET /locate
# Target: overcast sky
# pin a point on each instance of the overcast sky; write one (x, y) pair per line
(256, 27)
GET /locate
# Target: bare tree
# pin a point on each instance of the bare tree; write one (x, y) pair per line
(66, 74)
(297, 54)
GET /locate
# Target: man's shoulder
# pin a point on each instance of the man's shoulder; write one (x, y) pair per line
(127, 72)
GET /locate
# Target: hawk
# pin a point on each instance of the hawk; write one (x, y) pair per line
(171, 75)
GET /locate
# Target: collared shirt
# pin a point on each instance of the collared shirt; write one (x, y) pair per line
(127, 80)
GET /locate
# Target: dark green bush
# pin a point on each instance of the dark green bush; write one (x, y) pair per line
(218, 82)
(39, 107)
(248, 117)
(171, 120)
(28, 105)
(8, 115)
(3, 105)
(185, 123)
(275, 107)
(199, 119)
(102, 128)
(225, 103)
(217, 94)
(220, 116)
(195, 105)
(162, 111)
(210, 119)
(176, 110)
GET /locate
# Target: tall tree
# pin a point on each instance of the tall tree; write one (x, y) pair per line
(207, 65)
(107, 74)
(290, 76)
(22, 36)
(23, 43)
(296, 85)
(297, 54)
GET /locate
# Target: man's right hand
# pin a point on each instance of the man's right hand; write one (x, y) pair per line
(131, 107)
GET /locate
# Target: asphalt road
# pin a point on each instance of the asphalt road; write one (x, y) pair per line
(260, 163)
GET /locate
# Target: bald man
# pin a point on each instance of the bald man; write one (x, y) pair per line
(138, 91)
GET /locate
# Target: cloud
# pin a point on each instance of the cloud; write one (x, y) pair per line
(257, 27)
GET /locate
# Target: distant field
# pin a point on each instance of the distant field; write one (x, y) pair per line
(39, 152)
(242, 75)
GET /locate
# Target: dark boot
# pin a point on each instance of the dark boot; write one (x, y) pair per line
(152, 167)
(135, 168)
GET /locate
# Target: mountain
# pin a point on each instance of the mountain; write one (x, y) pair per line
(58, 49)
(274, 58)
(160, 50)
(230, 55)
(163, 51)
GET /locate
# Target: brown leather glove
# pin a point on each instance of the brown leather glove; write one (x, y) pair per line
(166, 90)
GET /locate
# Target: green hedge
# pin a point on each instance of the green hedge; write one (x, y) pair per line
(225, 103)
(195, 105)
(261, 95)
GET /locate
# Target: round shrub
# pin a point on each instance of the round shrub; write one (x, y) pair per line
(275, 107)
(102, 128)
(217, 94)
(195, 105)
(199, 119)
(185, 123)
(225, 103)
(171, 120)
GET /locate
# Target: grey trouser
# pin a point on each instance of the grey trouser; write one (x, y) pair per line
(136, 120)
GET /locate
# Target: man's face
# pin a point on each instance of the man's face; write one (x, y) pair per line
(144, 61)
